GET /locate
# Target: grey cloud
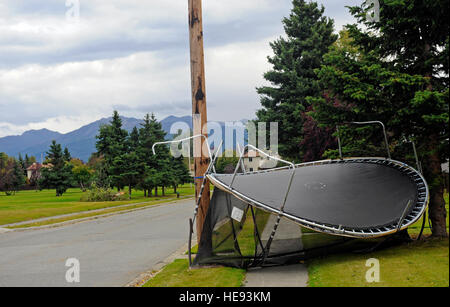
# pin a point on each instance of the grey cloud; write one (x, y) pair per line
(17, 112)
(37, 6)
(112, 37)
(17, 51)
(180, 107)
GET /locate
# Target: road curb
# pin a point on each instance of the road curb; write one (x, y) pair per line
(4, 230)
(90, 218)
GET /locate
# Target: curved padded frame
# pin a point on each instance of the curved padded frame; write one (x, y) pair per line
(416, 212)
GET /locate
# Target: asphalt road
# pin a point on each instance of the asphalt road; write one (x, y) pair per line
(111, 251)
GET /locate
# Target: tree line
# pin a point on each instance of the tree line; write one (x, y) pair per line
(395, 70)
(122, 160)
(13, 176)
(126, 159)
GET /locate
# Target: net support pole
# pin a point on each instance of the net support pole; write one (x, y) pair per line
(199, 111)
(386, 142)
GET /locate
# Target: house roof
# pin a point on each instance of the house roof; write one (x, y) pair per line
(34, 167)
(252, 154)
(37, 166)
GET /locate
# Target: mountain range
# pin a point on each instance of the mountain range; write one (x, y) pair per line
(80, 142)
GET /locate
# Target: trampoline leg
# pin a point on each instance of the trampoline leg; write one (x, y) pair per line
(423, 226)
(269, 243)
(190, 242)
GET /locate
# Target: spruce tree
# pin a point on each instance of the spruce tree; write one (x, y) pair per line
(22, 163)
(308, 37)
(57, 174)
(156, 166)
(6, 173)
(396, 71)
(18, 176)
(112, 145)
(181, 173)
(67, 155)
(133, 166)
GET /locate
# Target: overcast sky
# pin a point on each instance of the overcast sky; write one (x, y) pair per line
(133, 56)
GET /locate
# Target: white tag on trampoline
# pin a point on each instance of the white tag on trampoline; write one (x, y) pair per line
(237, 214)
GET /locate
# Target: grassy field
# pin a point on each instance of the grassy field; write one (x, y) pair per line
(178, 274)
(418, 264)
(30, 205)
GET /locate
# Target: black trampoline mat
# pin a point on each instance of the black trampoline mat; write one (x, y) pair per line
(351, 195)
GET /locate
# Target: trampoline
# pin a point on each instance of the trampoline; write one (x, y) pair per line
(359, 198)
(282, 215)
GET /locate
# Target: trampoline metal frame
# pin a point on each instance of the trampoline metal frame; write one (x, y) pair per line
(404, 221)
(374, 122)
(414, 216)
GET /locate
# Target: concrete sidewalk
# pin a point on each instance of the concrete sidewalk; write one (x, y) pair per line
(280, 276)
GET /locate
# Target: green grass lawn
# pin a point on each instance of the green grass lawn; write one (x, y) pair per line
(29, 205)
(178, 274)
(419, 264)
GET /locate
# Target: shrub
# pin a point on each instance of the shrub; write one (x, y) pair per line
(97, 194)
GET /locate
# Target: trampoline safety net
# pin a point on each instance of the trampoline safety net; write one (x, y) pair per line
(238, 235)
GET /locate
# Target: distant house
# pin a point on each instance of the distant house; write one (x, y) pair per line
(34, 171)
(254, 161)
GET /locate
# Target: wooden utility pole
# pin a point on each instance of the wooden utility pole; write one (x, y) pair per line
(199, 116)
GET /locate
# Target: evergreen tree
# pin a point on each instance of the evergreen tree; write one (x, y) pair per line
(67, 155)
(308, 37)
(19, 179)
(6, 173)
(396, 71)
(22, 163)
(181, 173)
(58, 172)
(155, 165)
(112, 145)
(133, 166)
(28, 161)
